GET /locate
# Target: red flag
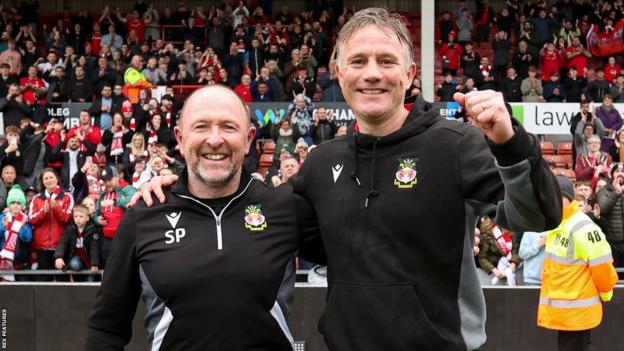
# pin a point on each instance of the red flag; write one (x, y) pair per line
(606, 44)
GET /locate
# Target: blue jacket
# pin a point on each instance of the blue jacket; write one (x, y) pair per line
(25, 236)
(533, 256)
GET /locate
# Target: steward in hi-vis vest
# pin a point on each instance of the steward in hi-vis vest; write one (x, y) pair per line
(578, 274)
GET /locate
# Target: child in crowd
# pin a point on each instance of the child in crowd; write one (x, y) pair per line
(79, 247)
(141, 174)
(15, 233)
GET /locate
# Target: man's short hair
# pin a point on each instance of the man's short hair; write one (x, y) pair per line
(580, 183)
(381, 18)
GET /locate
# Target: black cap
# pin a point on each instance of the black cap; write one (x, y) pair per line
(108, 173)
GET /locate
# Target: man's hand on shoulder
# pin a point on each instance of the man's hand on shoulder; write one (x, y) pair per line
(155, 186)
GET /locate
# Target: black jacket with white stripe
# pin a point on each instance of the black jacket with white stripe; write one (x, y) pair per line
(213, 276)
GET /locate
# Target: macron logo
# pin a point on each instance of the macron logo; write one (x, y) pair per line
(176, 234)
(336, 170)
(173, 218)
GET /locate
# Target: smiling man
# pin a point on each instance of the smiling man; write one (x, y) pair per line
(214, 263)
(397, 198)
(401, 274)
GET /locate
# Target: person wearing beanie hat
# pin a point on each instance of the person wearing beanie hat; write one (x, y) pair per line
(567, 188)
(16, 194)
(578, 275)
(15, 233)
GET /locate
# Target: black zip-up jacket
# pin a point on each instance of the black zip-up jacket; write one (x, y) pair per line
(211, 279)
(397, 215)
(66, 246)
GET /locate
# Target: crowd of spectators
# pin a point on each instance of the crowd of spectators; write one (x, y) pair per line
(65, 189)
(531, 51)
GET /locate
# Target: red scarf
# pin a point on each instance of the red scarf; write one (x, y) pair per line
(153, 138)
(133, 124)
(135, 178)
(504, 241)
(116, 144)
(8, 251)
(81, 251)
(55, 193)
(12, 229)
(168, 116)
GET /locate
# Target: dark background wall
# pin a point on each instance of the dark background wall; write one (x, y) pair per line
(53, 317)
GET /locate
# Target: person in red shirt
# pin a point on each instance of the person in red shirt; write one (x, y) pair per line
(85, 130)
(32, 84)
(96, 38)
(135, 23)
(578, 56)
(244, 88)
(111, 206)
(550, 61)
(451, 52)
(612, 70)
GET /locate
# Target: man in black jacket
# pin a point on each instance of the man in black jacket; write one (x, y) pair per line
(397, 199)
(324, 127)
(13, 107)
(510, 86)
(217, 223)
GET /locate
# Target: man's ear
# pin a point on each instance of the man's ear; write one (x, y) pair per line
(250, 138)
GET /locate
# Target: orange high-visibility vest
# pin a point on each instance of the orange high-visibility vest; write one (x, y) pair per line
(578, 273)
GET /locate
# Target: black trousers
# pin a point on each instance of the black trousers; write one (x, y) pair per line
(573, 340)
(45, 261)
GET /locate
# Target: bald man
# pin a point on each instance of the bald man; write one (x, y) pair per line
(213, 263)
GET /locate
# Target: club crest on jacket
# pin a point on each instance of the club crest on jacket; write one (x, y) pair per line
(254, 219)
(405, 177)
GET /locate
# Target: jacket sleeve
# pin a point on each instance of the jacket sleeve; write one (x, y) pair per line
(110, 323)
(484, 254)
(529, 246)
(61, 247)
(124, 196)
(517, 181)
(25, 233)
(607, 197)
(36, 214)
(94, 248)
(63, 213)
(593, 248)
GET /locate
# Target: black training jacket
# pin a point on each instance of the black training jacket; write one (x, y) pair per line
(210, 280)
(397, 217)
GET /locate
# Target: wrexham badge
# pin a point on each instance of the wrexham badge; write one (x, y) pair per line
(254, 219)
(405, 177)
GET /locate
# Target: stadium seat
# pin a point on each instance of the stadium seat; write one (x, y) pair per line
(547, 148)
(266, 160)
(564, 149)
(559, 161)
(268, 147)
(566, 172)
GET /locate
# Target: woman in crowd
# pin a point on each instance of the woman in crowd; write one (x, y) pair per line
(115, 139)
(137, 148)
(50, 211)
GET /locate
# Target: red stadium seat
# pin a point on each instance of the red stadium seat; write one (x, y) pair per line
(566, 172)
(268, 147)
(266, 160)
(559, 161)
(547, 148)
(564, 149)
